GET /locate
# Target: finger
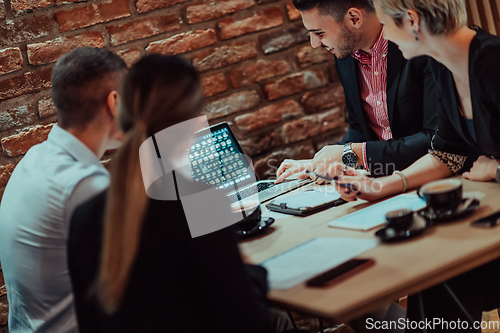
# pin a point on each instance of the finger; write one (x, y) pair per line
(283, 167)
(346, 195)
(336, 169)
(304, 175)
(320, 181)
(288, 173)
(466, 175)
(321, 169)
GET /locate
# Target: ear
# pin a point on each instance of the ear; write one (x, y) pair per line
(413, 20)
(112, 103)
(354, 18)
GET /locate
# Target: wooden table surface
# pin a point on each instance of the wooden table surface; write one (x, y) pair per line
(402, 268)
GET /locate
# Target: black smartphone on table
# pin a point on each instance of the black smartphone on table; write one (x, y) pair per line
(489, 221)
(343, 270)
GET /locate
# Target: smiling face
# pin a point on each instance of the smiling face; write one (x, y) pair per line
(334, 36)
(402, 35)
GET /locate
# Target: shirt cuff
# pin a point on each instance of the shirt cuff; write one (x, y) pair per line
(364, 157)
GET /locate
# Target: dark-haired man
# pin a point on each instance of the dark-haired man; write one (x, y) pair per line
(53, 179)
(390, 101)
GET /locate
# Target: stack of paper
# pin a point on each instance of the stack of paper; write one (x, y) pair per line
(316, 256)
(370, 217)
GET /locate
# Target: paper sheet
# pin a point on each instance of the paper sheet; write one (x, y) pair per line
(370, 217)
(316, 256)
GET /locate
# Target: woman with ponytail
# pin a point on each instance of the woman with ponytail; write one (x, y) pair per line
(133, 263)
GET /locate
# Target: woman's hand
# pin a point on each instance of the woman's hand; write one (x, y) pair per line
(366, 188)
(483, 170)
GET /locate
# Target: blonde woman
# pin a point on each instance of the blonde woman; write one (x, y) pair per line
(133, 263)
(466, 71)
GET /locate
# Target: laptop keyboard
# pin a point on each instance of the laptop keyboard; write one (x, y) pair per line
(251, 190)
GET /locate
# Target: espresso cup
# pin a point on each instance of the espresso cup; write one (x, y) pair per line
(400, 219)
(251, 214)
(446, 193)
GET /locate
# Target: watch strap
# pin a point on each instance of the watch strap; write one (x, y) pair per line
(497, 178)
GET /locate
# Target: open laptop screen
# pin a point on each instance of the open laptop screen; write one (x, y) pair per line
(217, 159)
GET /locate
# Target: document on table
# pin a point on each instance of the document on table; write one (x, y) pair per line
(316, 256)
(370, 217)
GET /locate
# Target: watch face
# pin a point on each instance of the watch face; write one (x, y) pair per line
(350, 159)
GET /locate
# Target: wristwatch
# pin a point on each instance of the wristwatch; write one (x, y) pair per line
(497, 178)
(349, 157)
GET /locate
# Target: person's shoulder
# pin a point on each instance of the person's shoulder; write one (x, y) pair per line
(485, 53)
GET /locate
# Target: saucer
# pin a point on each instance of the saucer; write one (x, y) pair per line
(467, 205)
(390, 235)
(256, 230)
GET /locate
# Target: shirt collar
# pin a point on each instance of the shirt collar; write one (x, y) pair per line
(73, 147)
(380, 47)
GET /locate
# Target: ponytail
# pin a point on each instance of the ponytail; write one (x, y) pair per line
(125, 210)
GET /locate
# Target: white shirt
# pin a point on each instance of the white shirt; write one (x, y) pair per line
(53, 179)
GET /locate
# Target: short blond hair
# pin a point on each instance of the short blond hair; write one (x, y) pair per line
(440, 16)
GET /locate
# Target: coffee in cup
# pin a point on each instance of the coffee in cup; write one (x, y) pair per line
(446, 193)
(400, 219)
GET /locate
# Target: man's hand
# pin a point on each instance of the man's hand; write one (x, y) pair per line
(321, 161)
(483, 170)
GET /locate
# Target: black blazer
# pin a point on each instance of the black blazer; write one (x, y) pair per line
(411, 100)
(178, 284)
(484, 72)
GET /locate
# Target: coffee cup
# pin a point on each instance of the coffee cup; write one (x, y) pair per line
(400, 219)
(442, 194)
(250, 212)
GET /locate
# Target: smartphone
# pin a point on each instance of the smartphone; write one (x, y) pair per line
(344, 270)
(349, 187)
(489, 221)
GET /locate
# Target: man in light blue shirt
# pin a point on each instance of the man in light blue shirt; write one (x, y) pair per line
(47, 185)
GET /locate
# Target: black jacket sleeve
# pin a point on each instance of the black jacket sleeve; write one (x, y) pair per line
(384, 157)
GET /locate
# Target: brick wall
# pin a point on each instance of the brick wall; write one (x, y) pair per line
(282, 98)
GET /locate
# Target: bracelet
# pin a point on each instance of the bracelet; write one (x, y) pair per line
(497, 178)
(403, 177)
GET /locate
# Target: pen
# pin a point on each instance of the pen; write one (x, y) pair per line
(350, 187)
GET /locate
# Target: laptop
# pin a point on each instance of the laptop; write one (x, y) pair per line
(218, 160)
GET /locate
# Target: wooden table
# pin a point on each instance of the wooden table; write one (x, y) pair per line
(403, 268)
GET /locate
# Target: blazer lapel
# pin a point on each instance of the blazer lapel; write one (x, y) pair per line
(394, 62)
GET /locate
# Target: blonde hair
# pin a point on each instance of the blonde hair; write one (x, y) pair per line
(440, 16)
(158, 92)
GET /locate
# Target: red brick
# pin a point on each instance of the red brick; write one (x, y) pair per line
(143, 28)
(185, 42)
(267, 166)
(295, 83)
(239, 101)
(26, 83)
(283, 39)
(209, 10)
(260, 143)
(265, 19)
(307, 56)
(131, 56)
(326, 98)
(5, 173)
(212, 85)
(224, 56)
(313, 125)
(92, 14)
(257, 71)
(22, 5)
(46, 108)
(293, 13)
(147, 5)
(50, 51)
(266, 116)
(2, 9)
(19, 144)
(11, 60)
(25, 28)
(20, 116)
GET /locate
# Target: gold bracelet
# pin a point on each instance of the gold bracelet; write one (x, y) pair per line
(403, 177)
